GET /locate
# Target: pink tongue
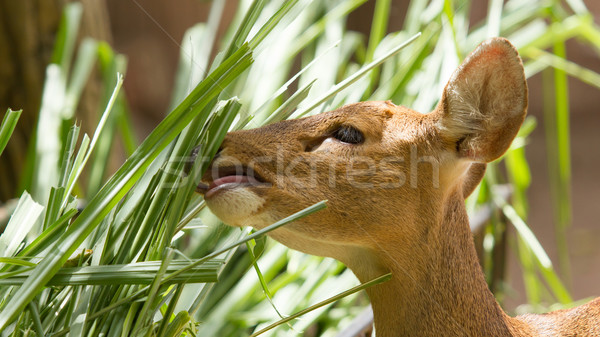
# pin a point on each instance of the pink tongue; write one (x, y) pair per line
(228, 180)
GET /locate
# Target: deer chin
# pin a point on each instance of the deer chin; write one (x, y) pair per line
(235, 204)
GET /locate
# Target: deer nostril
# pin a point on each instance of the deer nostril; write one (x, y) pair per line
(195, 152)
(218, 154)
(189, 161)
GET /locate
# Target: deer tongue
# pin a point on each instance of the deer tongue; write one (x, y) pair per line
(230, 179)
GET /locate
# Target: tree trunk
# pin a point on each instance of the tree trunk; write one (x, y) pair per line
(27, 32)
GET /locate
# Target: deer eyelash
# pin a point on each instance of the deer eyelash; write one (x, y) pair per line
(348, 134)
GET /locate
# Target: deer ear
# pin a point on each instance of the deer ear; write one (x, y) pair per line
(485, 102)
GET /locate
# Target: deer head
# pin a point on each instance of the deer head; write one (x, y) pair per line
(381, 166)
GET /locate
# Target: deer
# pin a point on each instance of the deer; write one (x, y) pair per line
(396, 181)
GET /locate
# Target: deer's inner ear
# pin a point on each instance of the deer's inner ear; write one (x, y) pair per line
(485, 102)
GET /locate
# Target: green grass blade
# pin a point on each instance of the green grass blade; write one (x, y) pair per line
(84, 64)
(111, 66)
(178, 324)
(378, 26)
(75, 170)
(47, 147)
(378, 30)
(450, 15)
(22, 220)
(348, 292)
(103, 119)
(9, 122)
(556, 285)
(245, 26)
(396, 84)
(170, 310)
(525, 232)
(196, 48)
(251, 245)
(193, 62)
(538, 251)
(530, 279)
(563, 197)
(16, 261)
(37, 323)
(116, 274)
(153, 291)
(578, 6)
(494, 18)
(67, 156)
(67, 35)
(571, 68)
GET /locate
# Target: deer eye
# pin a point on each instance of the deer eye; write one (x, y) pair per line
(348, 134)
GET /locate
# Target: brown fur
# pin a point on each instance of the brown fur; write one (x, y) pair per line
(396, 201)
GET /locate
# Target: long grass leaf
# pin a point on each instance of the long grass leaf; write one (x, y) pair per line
(494, 18)
(84, 63)
(583, 74)
(9, 122)
(538, 251)
(16, 261)
(132, 273)
(37, 322)
(22, 220)
(378, 30)
(563, 198)
(103, 119)
(348, 292)
(48, 142)
(67, 35)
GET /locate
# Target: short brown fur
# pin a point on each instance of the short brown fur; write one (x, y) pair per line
(406, 213)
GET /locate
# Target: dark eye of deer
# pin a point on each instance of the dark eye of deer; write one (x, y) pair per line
(348, 134)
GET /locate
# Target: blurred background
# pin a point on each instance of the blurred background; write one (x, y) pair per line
(149, 34)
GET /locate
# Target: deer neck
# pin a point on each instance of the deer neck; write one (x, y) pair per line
(436, 290)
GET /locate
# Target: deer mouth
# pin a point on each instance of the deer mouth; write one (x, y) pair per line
(229, 177)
